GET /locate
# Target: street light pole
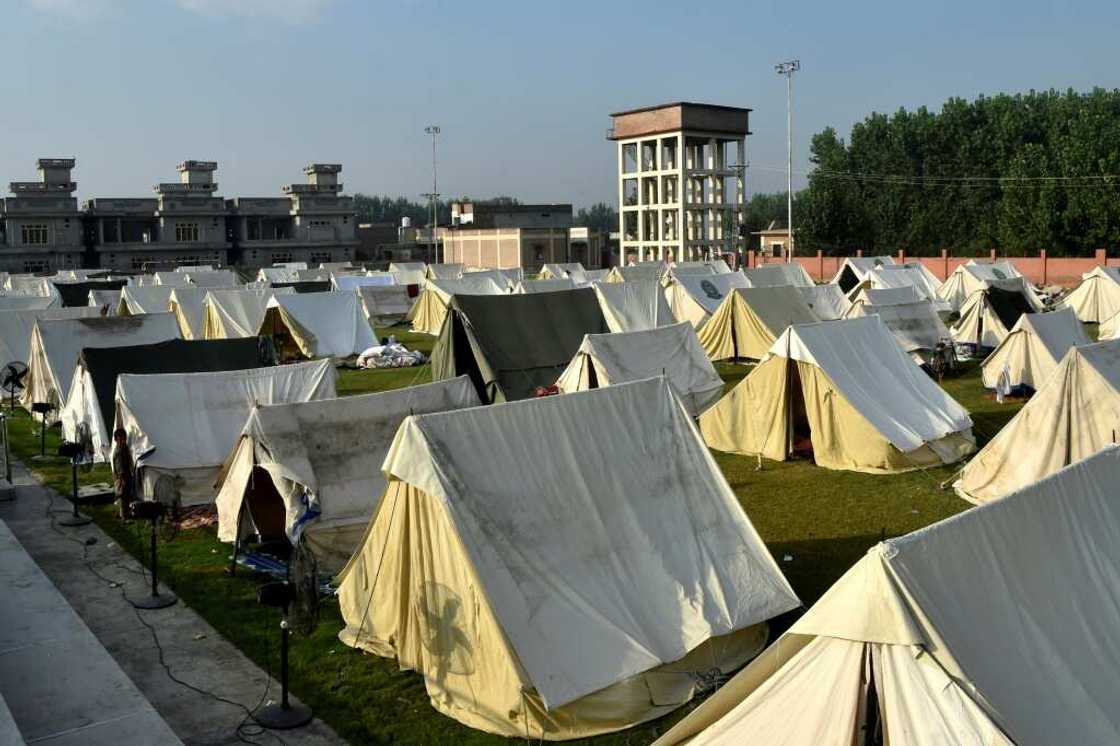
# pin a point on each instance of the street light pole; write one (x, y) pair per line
(433, 130)
(788, 69)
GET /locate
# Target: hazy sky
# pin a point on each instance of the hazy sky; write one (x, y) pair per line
(521, 90)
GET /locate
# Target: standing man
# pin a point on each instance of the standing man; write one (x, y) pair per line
(124, 475)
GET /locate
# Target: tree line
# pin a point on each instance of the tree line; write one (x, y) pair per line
(1017, 173)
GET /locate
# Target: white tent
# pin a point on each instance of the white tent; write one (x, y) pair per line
(174, 279)
(313, 275)
(629, 273)
(346, 283)
(195, 268)
(278, 274)
(827, 301)
(572, 581)
(691, 268)
(385, 306)
(16, 328)
(1033, 348)
(864, 404)
(181, 426)
(634, 305)
(29, 285)
(911, 274)
(993, 627)
(969, 278)
(694, 298)
(318, 324)
(855, 270)
(105, 301)
(991, 312)
(671, 351)
(408, 273)
(56, 344)
(324, 461)
(430, 309)
(188, 306)
(28, 302)
(146, 299)
(1097, 297)
(451, 271)
(571, 270)
(232, 314)
(912, 320)
(749, 320)
(545, 286)
(505, 278)
(778, 275)
(222, 278)
(596, 275)
(1073, 413)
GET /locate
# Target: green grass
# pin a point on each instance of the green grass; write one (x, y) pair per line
(822, 520)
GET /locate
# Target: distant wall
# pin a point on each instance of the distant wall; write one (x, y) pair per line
(1041, 269)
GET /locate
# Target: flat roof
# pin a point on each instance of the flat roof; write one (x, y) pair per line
(720, 107)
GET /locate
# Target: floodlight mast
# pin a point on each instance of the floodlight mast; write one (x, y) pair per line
(788, 69)
(433, 196)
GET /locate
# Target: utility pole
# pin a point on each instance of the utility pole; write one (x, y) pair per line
(433, 196)
(788, 69)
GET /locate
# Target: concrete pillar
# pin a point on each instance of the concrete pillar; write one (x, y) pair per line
(944, 264)
(859, 252)
(1043, 261)
(820, 265)
(902, 256)
(1101, 256)
(752, 258)
(992, 254)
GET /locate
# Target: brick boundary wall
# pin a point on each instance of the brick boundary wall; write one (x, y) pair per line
(1040, 270)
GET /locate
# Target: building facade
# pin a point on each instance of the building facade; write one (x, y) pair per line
(681, 180)
(40, 225)
(314, 223)
(489, 236)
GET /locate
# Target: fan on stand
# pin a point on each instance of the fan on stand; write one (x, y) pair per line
(12, 381)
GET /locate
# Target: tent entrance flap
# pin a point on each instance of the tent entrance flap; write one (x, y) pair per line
(800, 433)
(265, 507)
(1008, 305)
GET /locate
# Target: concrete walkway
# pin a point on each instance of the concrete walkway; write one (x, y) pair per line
(192, 649)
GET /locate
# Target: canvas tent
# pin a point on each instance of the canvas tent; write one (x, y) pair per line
(181, 426)
(911, 319)
(671, 351)
(694, 298)
(1097, 297)
(91, 403)
(147, 299)
(1073, 413)
(74, 294)
(991, 312)
(57, 343)
(505, 278)
(444, 271)
(914, 274)
(633, 306)
(543, 606)
(692, 268)
(826, 301)
(408, 273)
(430, 309)
(544, 286)
(174, 279)
(221, 278)
(778, 275)
(16, 328)
(511, 344)
(349, 283)
(1033, 348)
(385, 306)
(749, 320)
(593, 276)
(850, 388)
(643, 271)
(28, 302)
(317, 325)
(572, 270)
(313, 469)
(105, 301)
(188, 305)
(967, 279)
(1109, 328)
(855, 270)
(30, 285)
(232, 314)
(278, 274)
(993, 627)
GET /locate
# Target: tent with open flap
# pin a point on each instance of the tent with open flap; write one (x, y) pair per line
(56, 345)
(782, 274)
(1033, 348)
(91, 404)
(671, 351)
(540, 605)
(510, 345)
(856, 269)
(430, 309)
(967, 279)
(991, 312)
(236, 313)
(993, 627)
(313, 468)
(694, 298)
(1073, 413)
(748, 321)
(1096, 297)
(634, 305)
(317, 325)
(848, 388)
(181, 426)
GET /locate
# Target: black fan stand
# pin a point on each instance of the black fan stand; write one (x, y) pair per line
(283, 715)
(72, 451)
(152, 511)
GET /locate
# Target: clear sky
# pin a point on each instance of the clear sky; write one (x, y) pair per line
(522, 90)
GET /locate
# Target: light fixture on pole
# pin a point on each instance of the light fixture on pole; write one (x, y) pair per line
(433, 196)
(788, 69)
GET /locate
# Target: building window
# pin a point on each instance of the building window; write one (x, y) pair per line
(319, 223)
(320, 257)
(34, 234)
(185, 232)
(281, 257)
(31, 267)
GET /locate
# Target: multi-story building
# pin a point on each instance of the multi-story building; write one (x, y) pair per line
(681, 179)
(314, 223)
(184, 224)
(513, 236)
(40, 225)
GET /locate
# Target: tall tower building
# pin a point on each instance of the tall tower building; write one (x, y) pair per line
(681, 180)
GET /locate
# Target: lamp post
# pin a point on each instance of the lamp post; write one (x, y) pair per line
(788, 69)
(433, 196)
